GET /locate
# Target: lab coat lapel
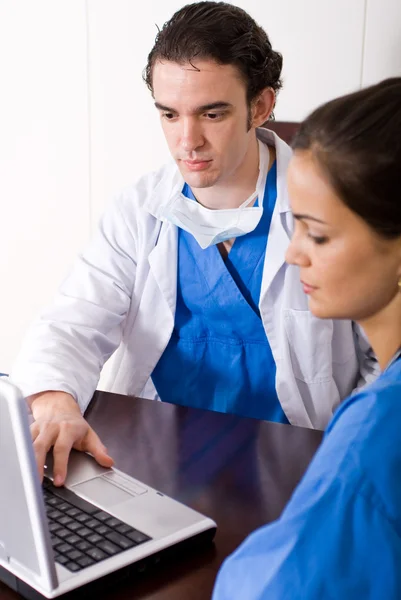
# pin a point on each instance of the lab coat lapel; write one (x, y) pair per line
(277, 245)
(278, 239)
(163, 264)
(163, 257)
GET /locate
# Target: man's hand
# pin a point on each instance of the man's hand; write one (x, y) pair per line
(59, 424)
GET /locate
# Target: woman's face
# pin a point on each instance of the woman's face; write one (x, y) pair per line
(347, 270)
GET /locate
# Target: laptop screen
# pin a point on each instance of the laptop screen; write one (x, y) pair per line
(22, 538)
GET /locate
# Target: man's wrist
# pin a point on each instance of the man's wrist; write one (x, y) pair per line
(52, 402)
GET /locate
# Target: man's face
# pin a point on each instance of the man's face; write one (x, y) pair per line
(204, 115)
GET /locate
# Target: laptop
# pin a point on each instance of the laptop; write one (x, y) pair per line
(102, 524)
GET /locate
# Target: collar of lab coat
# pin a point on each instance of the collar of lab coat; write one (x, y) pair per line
(171, 182)
(163, 257)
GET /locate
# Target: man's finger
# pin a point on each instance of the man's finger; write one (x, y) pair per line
(61, 453)
(35, 430)
(42, 444)
(94, 446)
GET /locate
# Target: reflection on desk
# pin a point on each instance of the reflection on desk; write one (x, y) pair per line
(240, 472)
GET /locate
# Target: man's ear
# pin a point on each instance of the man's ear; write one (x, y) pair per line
(262, 107)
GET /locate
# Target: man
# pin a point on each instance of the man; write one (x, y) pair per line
(186, 278)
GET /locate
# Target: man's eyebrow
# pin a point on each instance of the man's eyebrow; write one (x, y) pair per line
(199, 109)
(300, 217)
(164, 108)
(214, 106)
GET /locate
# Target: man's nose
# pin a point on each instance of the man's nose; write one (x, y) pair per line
(191, 135)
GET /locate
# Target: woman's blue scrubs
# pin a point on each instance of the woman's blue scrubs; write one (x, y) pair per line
(340, 535)
(218, 357)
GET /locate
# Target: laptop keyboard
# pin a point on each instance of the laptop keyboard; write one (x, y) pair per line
(81, 534)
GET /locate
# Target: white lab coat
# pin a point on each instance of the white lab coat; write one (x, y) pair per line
(121, 296)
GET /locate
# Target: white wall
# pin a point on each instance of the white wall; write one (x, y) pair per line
(44, 156)
(313, 35)
(382, 49)
(77, 123)
(321, 42)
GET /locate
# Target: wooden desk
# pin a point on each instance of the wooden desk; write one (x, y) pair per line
(240, 472)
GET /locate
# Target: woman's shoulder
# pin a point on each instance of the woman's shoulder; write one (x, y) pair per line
(364, 438)
(371, 406)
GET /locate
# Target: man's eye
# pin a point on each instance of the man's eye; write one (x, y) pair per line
(168, 116)
(214, 116)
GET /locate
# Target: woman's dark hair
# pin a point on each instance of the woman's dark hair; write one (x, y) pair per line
(356, 140)
(223, 33)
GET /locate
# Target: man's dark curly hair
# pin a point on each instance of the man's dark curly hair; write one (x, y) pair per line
(221, 32)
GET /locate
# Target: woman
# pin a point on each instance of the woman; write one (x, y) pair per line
(340, 535)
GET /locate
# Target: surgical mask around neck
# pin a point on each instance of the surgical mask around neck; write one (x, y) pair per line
(210, 227)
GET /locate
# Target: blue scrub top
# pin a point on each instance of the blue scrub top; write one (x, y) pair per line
(340, 535)
(218, 356)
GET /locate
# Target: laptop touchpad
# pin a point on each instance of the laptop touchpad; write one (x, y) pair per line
(100, 491)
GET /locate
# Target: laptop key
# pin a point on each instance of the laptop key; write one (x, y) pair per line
(84, 546)
(72, 539)
(124, 528)
(54, 514)
(82, 517)
(64, 548)
(62, 560)
(65, 520)
(96, 554)
(102, 529)
(63, 506)
(113, 522)
(63, 533)
(84, 532)
(85, 561)
(55, 540)
(51, 500)
(73, 511)
(120, 540)
(75, 554)
(71, 566)
(138, 536)
(94, 538)
(109, 547)
(73, 526)
(92, 523)
(101, 515)
(54, 526)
